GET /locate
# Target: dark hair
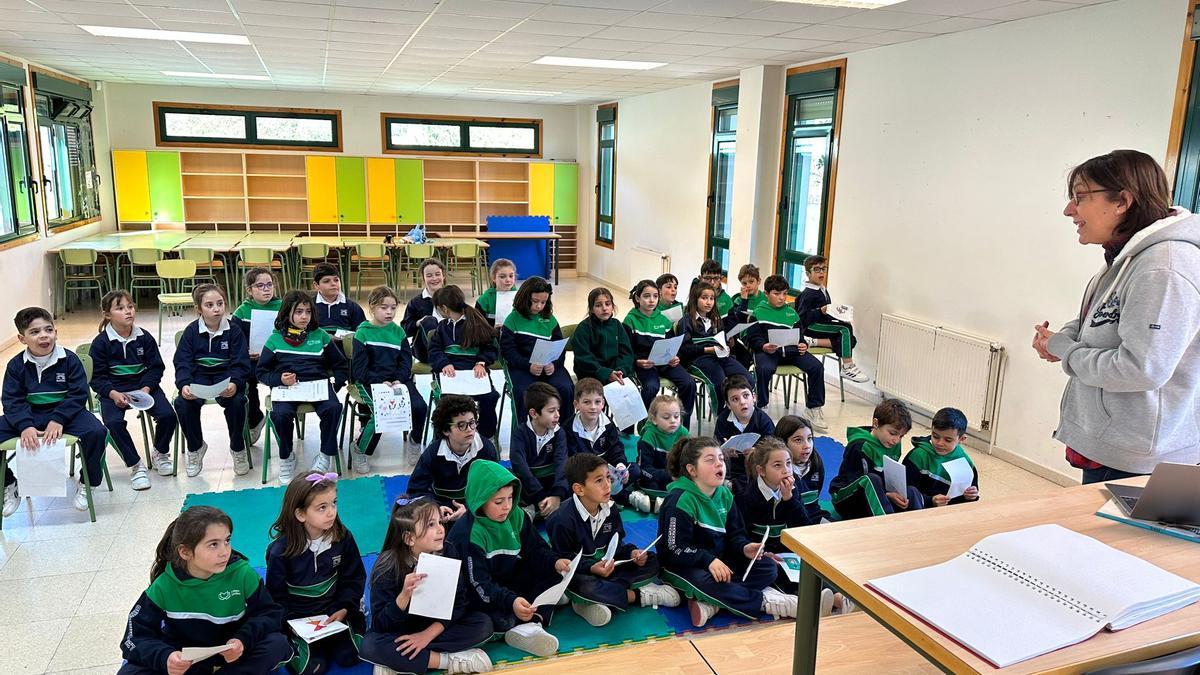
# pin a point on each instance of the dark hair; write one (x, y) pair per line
(299, 496)
(523, 300)
(202, 290)
(381, 293)
(641, 286)
(498, 264)
(588, 385)
(28, 315)
(711, 266)
(686, 452)
(186, 530)
(693, 306)
(788, 426)
(106, 304)
(580, 465)
(322, 270)
(539, 395)
(396, 557)
(950, 418)
(291, 300)
(449, 407)
(893, 411)
(776, 282)
(1136, 173)
(814, 260)
(431, 261)
(594, 295)
(667, 278)
(733, 383)
(760, 453)
(749, 270)
(251, 276)
(479, 331)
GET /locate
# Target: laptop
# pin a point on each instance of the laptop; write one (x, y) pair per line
(1172, 495)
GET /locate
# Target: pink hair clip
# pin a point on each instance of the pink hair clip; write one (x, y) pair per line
(318, 477)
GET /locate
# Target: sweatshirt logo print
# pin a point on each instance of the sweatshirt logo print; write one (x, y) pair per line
(60, 377)
(225, 595)
(1109, 312)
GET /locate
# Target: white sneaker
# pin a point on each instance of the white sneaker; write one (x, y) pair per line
(640, 501)
(382, 670)
(658, 595)
(701, 612)
(412, 451)
(287, 467)
(241, 462)
(360, 462)
(256, 431)
(853, 373)
(847, 607)
(140, 477)
(657, 502)
(195, 461)
(778, 605)
(162, 463)
(81, 498)
(469, 661)
(12, 500)
(321, 463)
(817, 417)
(826, 602)
(532, 638)
(597, 615)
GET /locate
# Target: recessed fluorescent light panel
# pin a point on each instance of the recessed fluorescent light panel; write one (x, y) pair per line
(596, 63)
(514, 92)
(214, 76)
(176, 35)
(849, 4)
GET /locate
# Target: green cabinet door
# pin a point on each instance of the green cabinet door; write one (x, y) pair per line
(351, 189)
(566, 194)
(410, 191)
(166, 188)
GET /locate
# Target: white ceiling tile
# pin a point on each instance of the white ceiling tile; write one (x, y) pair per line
(491, 8)
(642, 34)
(444, 19)
(892, 37)
(786, 11)
(276, 21)
(190, 15)
(532, 40)
(1023, 10)
(582, 14)
(701, 38)
(681, 49)
(291, 33)
(563, 28)
(408, 5)
(612, 45)
(712, 7)
(951, 7)
(953, 25)
(842, 47)
(784, 44)
(825, 32)
(200, 5)
(377, 15)
(578, 53)
(279, 8)
(670, 21)
(881, 19)
(373, 27)
(397, 37)
(754, 27)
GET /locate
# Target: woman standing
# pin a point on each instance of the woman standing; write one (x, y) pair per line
(1132, 352)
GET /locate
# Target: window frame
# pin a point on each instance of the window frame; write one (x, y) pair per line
(251, 114)
(465, 149)
(601, 144)
(30, 229)
(718, 138)
(56, 85)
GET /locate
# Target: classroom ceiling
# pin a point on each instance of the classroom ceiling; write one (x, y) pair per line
(449, 48)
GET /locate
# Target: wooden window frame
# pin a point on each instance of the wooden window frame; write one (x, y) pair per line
(464, 123)
(161, 108)
(611, 242)
(1183, 82)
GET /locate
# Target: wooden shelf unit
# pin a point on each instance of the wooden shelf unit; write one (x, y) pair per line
(211, 163)
(262, 164)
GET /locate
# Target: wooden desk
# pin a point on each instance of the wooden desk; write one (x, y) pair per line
(851, 553)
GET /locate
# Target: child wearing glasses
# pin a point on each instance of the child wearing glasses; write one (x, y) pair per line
(712, 274)
(260, 295)
(813, 305)
(441, 472)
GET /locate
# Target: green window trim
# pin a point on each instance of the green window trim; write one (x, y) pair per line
(606, 174)
(719, 228)
(70, 183)
(17, 213)
(463, 126)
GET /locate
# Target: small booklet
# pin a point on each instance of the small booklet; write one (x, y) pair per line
(393, 408)
(313, 628)
(895, 477)
(302, 392)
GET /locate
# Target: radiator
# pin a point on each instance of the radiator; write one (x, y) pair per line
(646, 263)
(932, 367)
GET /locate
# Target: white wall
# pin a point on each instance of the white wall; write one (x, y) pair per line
(133, 122)
(951, 180)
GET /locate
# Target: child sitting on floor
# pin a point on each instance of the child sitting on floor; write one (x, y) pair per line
(926, 462)
(859, 490)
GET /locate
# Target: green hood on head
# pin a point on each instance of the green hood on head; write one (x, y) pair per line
(871, 447)
(484, 479)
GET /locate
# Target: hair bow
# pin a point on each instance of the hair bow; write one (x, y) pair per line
(318, 477)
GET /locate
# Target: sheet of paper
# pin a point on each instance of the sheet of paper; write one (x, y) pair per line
(665, 349)
(464, 382)
(762, 548)
(262, 324)
(302, 392)
(629, 560)
(674, 314)
(625, 404)
(784, 337)
(551, 595)
(504, 304)
(139, 400)
(341, 333)
(895, 477)
(313, 628)
(722, 345)
(42, 472)
(741, 443)
(434, 596)
(733, 332)
(611, 551)
(547, 351)
(841, 313)
(201, 653)
(790, 562)
(208, 391)
(393, 408)
(960, 476)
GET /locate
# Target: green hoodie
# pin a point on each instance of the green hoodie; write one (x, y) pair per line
(708, 512)
(871, 448)
(927, 460)
(244, 310)
(484, 479)
(659, 439)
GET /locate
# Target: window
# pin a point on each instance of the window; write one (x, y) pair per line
(810, 142)
(606, 169)
(70, 185)
(16, 186)
(720, 179)
(414, 134)
(190, 125)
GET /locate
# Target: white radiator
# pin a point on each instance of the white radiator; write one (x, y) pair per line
(646, 263)
(933, 367)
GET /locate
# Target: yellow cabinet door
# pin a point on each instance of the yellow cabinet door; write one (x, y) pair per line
(322, 190)
(132, 181)
(541, 189)
(381, 190)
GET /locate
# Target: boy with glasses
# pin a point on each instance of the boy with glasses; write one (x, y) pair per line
(813, 306)
(441, 472)
(712, 274)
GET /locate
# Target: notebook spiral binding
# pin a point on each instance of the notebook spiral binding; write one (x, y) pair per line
(1036, 584)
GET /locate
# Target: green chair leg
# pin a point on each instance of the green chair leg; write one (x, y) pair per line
(87, 482)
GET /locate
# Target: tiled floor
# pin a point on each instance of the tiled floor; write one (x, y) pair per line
(67, 584)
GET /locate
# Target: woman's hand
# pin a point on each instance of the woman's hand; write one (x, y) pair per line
(1041, 342)
(720, 571)
(288, 379)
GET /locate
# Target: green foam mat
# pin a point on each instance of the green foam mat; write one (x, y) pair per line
(636, 624)
(361, 506)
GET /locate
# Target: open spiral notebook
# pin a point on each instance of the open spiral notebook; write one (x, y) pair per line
(1021, 594)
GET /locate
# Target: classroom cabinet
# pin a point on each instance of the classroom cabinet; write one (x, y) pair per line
(541, 189)
(554, 192)
(148, 186)
(381, 190)
(351, 189)
(410, 191)
(322, 190)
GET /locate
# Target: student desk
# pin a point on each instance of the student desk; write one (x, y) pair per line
(850, 553)
(222, 244)
(115, 246)
(342, 247)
